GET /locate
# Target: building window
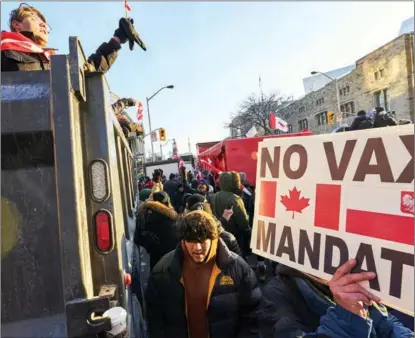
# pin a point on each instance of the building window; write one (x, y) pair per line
(321, 118)
(382, 99)
(301, 110)
(381, 72)
(320, 101)
(303, 124)
(376, 75)
(347, 89)
(341, 92)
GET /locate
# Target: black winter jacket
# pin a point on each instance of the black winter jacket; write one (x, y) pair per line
(233, 304)
(362, 122)
(100, 61)
(170, 187)
(228, 238)
(384, 120)
(156, 230)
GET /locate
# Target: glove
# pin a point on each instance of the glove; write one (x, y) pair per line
(128, 102)
(126, 31)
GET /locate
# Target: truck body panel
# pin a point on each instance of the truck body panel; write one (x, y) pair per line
(238, 155)
(55, 125)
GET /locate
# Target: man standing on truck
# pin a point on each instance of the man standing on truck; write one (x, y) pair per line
(23, 48)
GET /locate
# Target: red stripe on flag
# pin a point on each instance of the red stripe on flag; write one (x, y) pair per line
(126, 6)
(393, 228)
(272, 121)
(267, 198)
(327, 209)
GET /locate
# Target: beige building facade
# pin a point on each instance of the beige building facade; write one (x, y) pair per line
(385, 77)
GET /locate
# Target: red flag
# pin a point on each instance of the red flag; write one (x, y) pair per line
(139, 111)
(126, 6)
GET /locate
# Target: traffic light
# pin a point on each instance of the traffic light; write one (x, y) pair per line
(162, 135)
(330, 117)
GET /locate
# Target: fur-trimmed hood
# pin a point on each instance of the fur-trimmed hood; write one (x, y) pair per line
(158, 208)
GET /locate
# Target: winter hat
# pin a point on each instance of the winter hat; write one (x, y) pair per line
(195, 198)
(380, 110)
(144, 194)
(186, 197)
(202, 206)
(161, 197)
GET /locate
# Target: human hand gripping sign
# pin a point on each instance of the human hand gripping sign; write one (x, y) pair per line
(227, 213)
(347, 292)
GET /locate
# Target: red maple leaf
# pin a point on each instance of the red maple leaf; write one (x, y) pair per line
(293, 202)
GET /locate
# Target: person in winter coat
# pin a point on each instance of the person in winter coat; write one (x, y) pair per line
(144, 194)
(248, 197)
(23, 48)
(295, 304)
(148, 183)
(226, 237)
(383, 119)
(202, 289)
(362, 121)
(156, 227)
(170, 187)
(157, 179)
(228, 197)
(127, 125)
(177, 199)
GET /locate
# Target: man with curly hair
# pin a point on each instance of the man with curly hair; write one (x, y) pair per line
(202, 289)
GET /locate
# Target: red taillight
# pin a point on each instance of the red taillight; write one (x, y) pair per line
(127, 279)
(103, 231)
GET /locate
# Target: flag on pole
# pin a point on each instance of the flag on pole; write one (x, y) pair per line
(126, 6)
(139, 111)
(277, 123)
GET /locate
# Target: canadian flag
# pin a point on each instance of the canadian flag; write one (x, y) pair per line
(277, 123)
(335, 207)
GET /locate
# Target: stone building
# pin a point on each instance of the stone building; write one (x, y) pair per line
(385, 77)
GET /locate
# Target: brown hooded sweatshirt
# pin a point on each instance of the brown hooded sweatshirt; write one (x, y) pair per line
(196, 284)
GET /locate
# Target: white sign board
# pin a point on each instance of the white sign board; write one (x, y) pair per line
(324, 199)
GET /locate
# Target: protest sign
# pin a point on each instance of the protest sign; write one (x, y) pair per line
(324, 199)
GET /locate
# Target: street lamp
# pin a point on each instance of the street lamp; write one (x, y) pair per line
(337, 87)
(149, 119)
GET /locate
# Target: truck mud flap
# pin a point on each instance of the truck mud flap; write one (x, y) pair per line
(84, 317)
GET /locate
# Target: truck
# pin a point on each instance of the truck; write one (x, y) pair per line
(170, 166)
(238, 155)
(68, 205)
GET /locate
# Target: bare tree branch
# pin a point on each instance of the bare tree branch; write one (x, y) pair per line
(255, 111)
